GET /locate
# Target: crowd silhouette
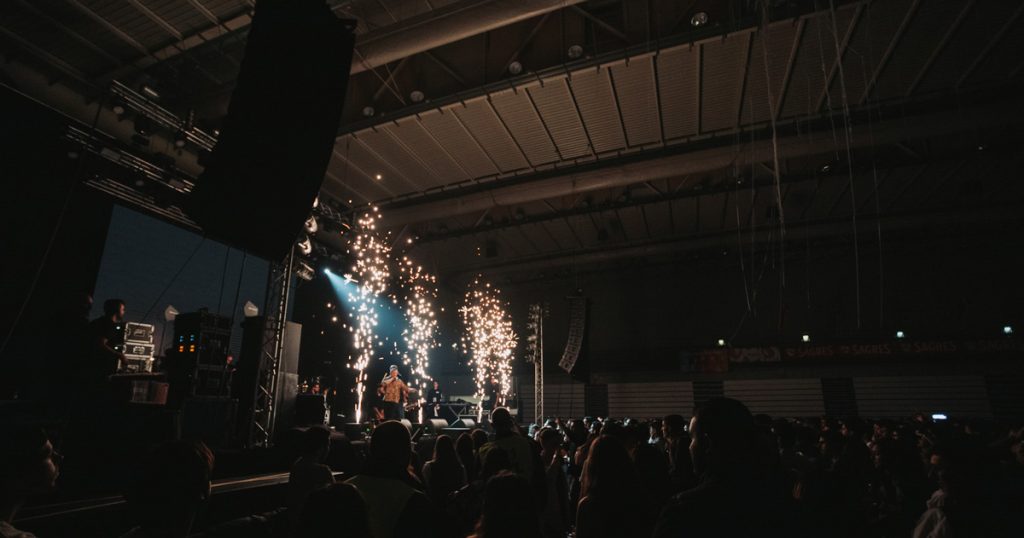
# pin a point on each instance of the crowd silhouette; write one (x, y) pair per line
(723, 472)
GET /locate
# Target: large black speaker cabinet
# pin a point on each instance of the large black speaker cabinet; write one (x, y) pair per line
(266, 169)
(288, 377)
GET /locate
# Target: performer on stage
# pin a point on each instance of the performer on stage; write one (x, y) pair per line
(395, 393)
(434, 401)
(104, 359)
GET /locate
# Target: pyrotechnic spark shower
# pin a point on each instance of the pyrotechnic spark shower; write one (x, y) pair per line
(420, 335)
(371, 273)
(488, 339)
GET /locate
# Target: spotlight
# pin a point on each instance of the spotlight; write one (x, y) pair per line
(826, 168)
(699, 19)
(327, 271)
(416, 96)
(311, 225)
(721, 342)
(806, 338)
(378, 177)
(368, 111)
(305, 246)
(305, 271)
(179, 140)
(515, 68)
(118, 109)
(899, 334)
(334, 319)
(1007, 330)
(575, 52)
(408, 241)
(328, 304)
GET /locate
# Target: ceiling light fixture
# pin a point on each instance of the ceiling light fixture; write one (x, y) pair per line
(368, 111)
(149, 92)
(805, 338)
(699, 19)
(515, 68)
(575, 52)
(416, 96)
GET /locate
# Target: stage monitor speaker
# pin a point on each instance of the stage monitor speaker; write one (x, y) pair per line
(355, 430)
(465, 423)
(265, 172)
(243, 385)
(437, 425)
(407, 423)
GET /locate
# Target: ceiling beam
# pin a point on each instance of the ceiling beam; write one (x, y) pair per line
(759, 235)
(634, 169)
(884, 60)
(60, 65)
(600, 24)
(447, 24)
(991, 45)
(68, 31)
(968, 5)
(727, 187)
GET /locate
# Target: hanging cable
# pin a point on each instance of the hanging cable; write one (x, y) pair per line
(174, 278)
(775, 160)
(849, 155)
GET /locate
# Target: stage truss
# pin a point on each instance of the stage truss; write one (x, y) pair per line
(279, 287)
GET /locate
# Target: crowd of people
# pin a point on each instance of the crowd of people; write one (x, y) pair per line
(723, 472)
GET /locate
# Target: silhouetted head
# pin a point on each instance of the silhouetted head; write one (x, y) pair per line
(114, 308)
(502, 421)
(316, 443)
(673, 426)
(444, 449)
(479, 438)
(508, 509)
(609, 470)
(722, 434)
(390, 446)
(28, 464)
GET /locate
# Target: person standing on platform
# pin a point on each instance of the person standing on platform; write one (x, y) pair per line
(104, 337)
(434, 401)
(395, 392)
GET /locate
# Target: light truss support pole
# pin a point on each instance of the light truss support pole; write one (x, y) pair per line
(279, 284)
